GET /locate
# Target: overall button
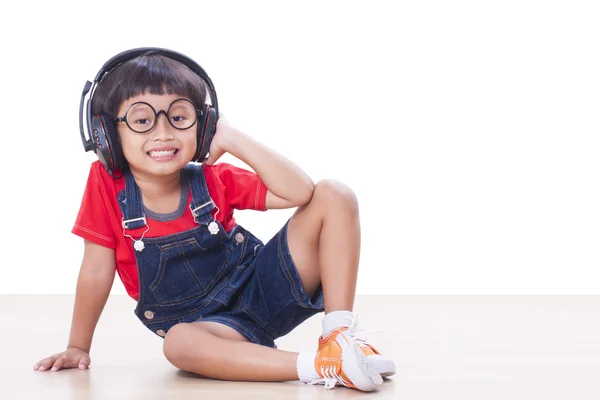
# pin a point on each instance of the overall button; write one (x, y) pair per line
(149, 314)
(161, 333)
(239, 237)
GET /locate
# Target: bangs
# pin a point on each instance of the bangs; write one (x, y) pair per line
(147, 74)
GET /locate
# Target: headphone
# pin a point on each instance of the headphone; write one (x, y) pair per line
(103, 137)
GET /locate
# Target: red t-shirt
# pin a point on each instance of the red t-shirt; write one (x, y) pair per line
(99, 218)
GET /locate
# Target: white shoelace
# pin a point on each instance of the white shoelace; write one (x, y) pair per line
(330, 378)
(359, 335)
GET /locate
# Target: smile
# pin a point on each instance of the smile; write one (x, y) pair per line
(162, 153)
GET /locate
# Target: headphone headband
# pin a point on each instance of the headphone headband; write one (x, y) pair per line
(185, 60)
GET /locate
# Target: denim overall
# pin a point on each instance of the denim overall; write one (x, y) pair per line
(207, 274)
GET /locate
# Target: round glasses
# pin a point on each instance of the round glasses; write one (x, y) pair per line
(141, 117)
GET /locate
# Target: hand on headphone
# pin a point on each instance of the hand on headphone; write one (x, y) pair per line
(218, 145)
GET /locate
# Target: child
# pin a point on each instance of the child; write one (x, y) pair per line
(211, 289)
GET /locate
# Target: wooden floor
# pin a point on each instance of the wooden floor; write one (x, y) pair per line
(446, 347)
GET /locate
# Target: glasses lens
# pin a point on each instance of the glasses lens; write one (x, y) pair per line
(140, 117)
(182, 114)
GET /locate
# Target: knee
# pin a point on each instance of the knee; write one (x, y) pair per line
(336, 194)
(176, 345)
(173, 344)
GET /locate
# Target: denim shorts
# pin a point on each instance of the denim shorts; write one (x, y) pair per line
(269, 298)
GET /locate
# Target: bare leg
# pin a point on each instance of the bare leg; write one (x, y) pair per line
(218, 351)
(324, 241)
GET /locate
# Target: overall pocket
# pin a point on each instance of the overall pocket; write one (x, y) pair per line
(187, 270)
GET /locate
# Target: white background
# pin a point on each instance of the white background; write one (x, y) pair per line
(468, 129)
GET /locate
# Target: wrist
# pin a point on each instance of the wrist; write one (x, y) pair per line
(70, 346)
(232, 142)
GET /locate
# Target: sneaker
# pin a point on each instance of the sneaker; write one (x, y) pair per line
(340, 361)
(384, 365)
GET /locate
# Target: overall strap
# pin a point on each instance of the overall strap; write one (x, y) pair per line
(130, 202)
(202, 204)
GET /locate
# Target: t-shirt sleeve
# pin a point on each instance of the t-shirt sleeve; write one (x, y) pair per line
(244, 189)
(92, 222)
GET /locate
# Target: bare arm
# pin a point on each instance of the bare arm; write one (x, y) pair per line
(288, 186)
(95, 280)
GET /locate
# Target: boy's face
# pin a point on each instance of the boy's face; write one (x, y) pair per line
(163, 150)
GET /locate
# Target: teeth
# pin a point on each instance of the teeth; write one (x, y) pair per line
(162, 153)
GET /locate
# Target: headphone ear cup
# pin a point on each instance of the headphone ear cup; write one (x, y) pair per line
(207, 127)
(107, 145)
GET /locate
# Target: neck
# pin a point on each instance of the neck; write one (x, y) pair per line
(159, 192)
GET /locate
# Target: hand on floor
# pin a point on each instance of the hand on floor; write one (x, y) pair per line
(70, 358)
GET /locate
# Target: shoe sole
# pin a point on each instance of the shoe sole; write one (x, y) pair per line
(383, 365)
(356, 366)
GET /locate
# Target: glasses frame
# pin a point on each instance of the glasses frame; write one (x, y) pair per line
(157, 114)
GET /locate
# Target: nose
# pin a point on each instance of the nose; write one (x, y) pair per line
(162, 128)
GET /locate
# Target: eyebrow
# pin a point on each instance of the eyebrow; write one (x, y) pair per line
(159, 109)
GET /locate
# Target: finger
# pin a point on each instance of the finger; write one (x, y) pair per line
(46, 363)
(84, 362)
(38, 365)
(214, 156)
(58, 364)
(211, 159)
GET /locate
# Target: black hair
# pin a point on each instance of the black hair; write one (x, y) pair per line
(150, 73)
